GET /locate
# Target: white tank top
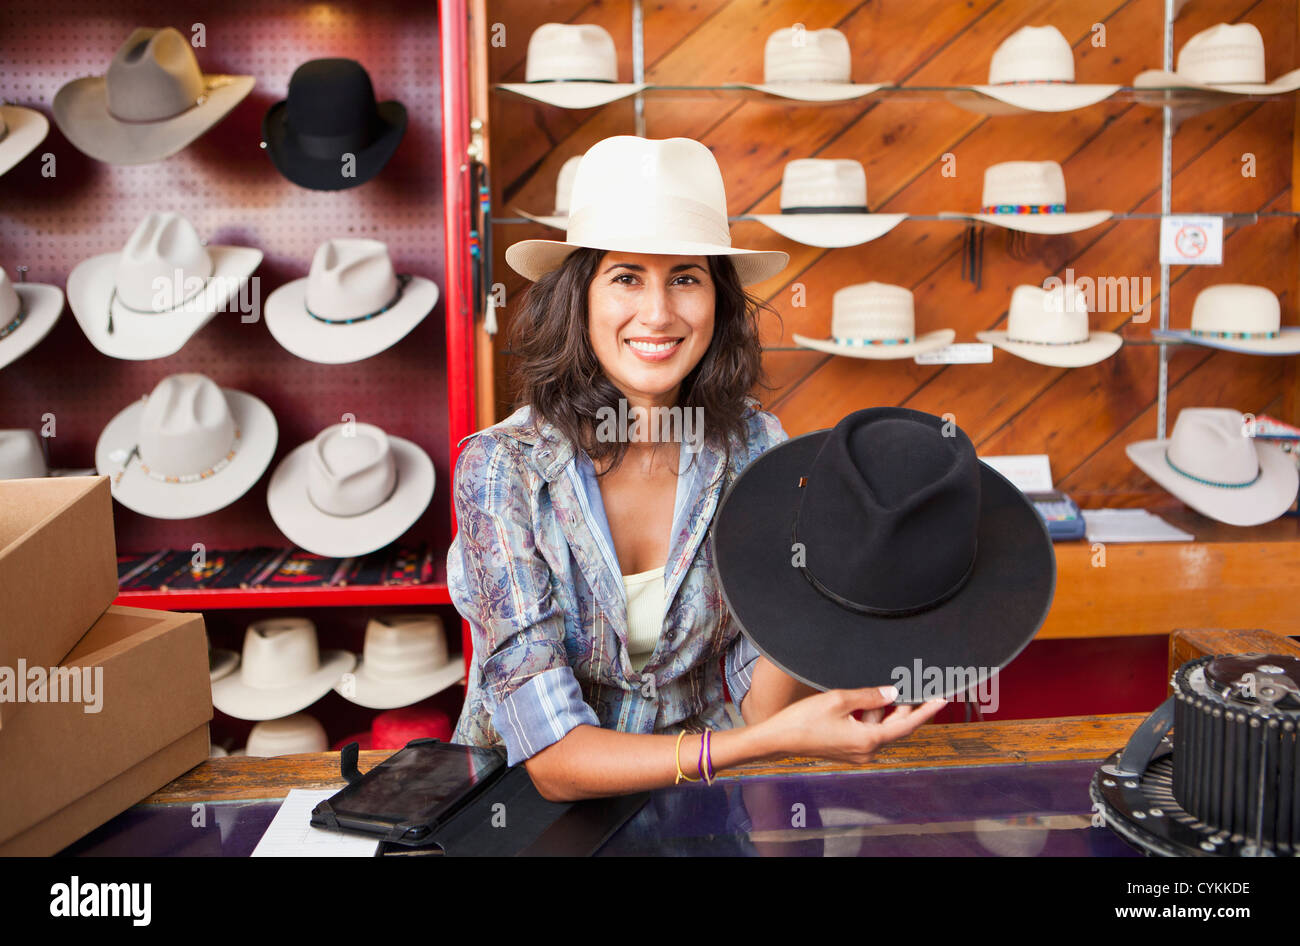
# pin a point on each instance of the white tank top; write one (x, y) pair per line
(645, 614)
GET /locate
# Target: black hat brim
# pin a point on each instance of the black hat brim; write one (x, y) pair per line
(983, 626)
(322, 174)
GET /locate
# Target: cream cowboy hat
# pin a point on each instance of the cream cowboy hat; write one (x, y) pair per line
(352, 304)
(289, 735)
(641, 195)
(1225, 58)
(281, 671)
(1211, 464)
(1032, 71)
(1029, 196)
(563, 189)
(28, 310)
(1240, 318)
(21, 130)
(876, 321)
(810, 66)
(824, 203)
(405, 660)
(152, 103)
(148, 300)
(1050, 327)
(572, 65)
(188, 449)
(351, 490)
(21, 456)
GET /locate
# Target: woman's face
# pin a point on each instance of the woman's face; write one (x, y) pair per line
(650, 321)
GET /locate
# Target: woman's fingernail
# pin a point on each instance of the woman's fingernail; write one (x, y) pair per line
(889, 693)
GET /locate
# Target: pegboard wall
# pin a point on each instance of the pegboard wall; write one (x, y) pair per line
(227, 186)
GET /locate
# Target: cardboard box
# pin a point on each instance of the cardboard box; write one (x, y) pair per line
(64, 771)
(58, 569)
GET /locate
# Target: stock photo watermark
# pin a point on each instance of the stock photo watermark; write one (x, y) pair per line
(24, 684)
(636, 424)
(919, 682)
(193, 293)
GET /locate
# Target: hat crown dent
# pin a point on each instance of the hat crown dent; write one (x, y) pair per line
(572, 51)
(1227, 53)
(1236, 307)
(873, 311)
(154, 76)
(1024, 182)
(21, 456)
(9, 301)
(163, 262)
(1032, 54)
(1211, 443)
(404, 646)
(802, 55)
(351, 469)
(1056, 316)
(331, 97)
(290, 735)
(824, 182)
(186, 426)
(279, 652)
(350, 278)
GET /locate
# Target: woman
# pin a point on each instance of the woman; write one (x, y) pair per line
(583, 560)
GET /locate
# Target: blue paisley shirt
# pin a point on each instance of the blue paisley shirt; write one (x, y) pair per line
(533, 570)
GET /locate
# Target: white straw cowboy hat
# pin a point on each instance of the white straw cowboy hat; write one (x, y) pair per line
(21, 130)
(1029, 196)
(572, 65)
(824, 203)
(282, 670)
(21, 456)
(289, 735)
(350, 490)
(563, 189)
(642, 195)
(28, 311)
(188, 449)
(876, 321)
(1031, 71)
(1211, 464)
(405, 660)
(1050, 327)
(152, 103)
(149, 299)
(1225, 58)
(810, 66)
(352, 304)
(1240, 318)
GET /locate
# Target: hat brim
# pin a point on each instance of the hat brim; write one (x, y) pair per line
(831, 230)
(43, 305)
(1045, 224)
(144, 337)
(25, 129)
(138, 492)
(1020, 99)
(983, 626)
(1160, 79)
(930, 341)
(236, 698)
(326, 174)
(575, 94)
(1098, 347)
(294, 328)
(81, 112)
(556, 221)
(1287, 342)
(222, 663)
(1263, 501)
(392, 694)
(344, 536)
(813, 91)
(533, 259)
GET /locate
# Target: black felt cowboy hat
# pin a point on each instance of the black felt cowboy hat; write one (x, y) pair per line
(331, 112)
(883, 542)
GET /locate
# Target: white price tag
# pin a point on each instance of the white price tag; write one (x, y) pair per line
(1191, 241)
(962, 353)
(1029, 472)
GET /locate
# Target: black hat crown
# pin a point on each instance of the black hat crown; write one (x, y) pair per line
(331, 109)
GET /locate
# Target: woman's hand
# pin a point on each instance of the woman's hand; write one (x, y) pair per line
(844, 725)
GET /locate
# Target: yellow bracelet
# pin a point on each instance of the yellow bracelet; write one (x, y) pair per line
(678, 756)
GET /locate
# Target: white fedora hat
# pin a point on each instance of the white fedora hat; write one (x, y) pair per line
(351, 305)
(572, 65)
(21, 456)
(824, 203)
(282, 671)
(810, 66)
(877, 321)
(559, 219)
(1228, 57)
(1050, 327)
(28, 310)
(642, 195)
(152, 103)
(1240, 318)
(1029, 196)
(1031, 71)
(21, 130)
(405, 660)
(1211, 464)
(188, 449)
(289, 735)
(148, 300)
(221, 662)
(350, 490)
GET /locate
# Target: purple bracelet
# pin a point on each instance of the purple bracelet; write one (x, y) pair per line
(700, 765)
(708, 758)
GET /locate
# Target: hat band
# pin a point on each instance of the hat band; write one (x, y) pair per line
(540, 81)
(1034, 341)
(1259, 471)
(843, 209)
(862, 342)
(1023, 209)
(192, 477)
(114, 300)
(7, 330)
(402, 280)
(1202, 333)
(658, 217)
(1034, 82)
(164, 118)
(332, 147)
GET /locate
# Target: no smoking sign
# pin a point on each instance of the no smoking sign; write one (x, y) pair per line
(1191, 241)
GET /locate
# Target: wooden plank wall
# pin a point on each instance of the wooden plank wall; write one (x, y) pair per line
(1111, 154)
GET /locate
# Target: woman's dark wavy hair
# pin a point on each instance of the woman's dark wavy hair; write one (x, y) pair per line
(558, 375)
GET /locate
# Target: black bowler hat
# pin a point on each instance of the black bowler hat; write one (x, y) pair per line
(881, 543)
(331, 111)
